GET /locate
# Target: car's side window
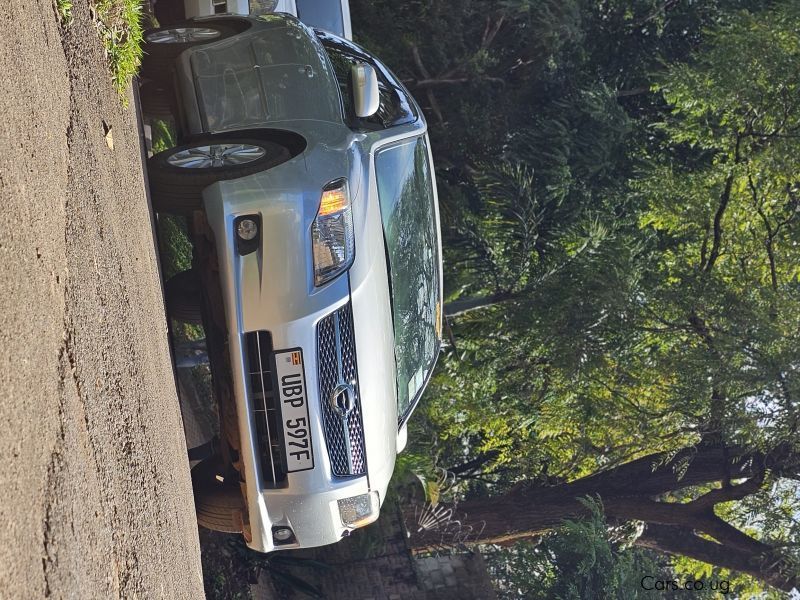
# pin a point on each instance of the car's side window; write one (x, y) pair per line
(395, 108)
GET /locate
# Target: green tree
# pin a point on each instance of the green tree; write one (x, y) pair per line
(580, 559)
(661, 319)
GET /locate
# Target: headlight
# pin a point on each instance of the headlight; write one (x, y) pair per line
(332, 233)
(359, 510)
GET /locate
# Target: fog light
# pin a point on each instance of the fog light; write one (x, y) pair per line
(247, 229)
(247, 232)
(282, 534)
(359, 510)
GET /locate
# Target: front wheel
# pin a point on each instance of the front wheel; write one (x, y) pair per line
(218, 498)
(179, 175)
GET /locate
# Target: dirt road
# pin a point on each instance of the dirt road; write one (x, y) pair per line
(95, 496)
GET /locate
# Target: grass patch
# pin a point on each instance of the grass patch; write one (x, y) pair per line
(176, 256)
(176, 247)
(164, 135)
(64, 11)
(119, 24)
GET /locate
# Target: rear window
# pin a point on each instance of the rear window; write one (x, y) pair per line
(324, 14)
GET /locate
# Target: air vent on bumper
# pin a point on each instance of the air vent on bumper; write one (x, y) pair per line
(258, 345)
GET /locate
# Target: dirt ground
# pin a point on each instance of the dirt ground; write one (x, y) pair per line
(95, 495)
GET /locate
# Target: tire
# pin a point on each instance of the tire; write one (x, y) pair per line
(178, 189)
(183, 297)
(220, 506)
(157, 101)
(159, 56)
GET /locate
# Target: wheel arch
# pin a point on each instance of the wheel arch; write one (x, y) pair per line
(295, 143)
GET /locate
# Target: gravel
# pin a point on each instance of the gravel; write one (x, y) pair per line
(95, 493)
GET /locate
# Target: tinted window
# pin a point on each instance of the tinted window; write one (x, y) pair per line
(325, 14)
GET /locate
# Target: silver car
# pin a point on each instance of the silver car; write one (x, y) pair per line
(306, 172)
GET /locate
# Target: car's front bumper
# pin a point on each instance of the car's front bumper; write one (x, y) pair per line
(272, 290)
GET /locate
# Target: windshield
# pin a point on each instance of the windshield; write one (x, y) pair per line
(405, 190)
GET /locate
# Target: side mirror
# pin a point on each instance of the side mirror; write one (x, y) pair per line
(402, 438)
(365, 90)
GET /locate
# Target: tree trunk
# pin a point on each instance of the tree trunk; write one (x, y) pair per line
(630, 492)
(465, 305)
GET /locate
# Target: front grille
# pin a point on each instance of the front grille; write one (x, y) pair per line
(336, 358)
(258, 345)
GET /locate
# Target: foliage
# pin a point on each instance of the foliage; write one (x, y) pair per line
(721, 196)
(64, 11)
(613, 334)
(466, 70)
(175, 247)
(626, 209)
(119, 25)
(176, 250)
(164, 135)
(578, 560)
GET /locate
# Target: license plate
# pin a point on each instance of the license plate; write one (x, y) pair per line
(291, 385)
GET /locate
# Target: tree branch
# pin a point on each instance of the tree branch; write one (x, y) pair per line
(769, 241)
(475, 464)
(434, 103)
(418, 62)
(727, 534)
(465, 305)
(684, 515)
(682, 542)
(629, 492)
(725, 198)
(491, 32)
(633, 92)
(716, 243)
(729, 493)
